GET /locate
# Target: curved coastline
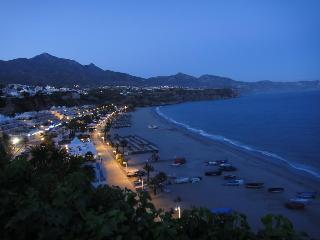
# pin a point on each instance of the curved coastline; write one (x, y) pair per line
(262, 153)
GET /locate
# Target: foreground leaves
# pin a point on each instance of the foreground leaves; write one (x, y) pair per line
(50, 196)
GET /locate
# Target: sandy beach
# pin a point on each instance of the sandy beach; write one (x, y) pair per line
(174, 141)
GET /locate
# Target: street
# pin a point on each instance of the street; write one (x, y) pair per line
(114, 174)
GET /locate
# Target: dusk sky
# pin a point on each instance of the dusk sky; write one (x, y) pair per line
(246, 40)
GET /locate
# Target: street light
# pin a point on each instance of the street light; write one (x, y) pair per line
(126, 163)
(177, 208)
(15, 140)
(142, 185)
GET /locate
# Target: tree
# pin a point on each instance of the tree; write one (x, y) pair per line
(117, 147)
(50, 195)
(107, 128)
(148, 168)
(158, 181)
(155, 156)
(89, 157)
(123, 144)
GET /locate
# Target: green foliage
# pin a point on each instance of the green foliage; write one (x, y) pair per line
(49, 195)
(277, 226)
(148, 168)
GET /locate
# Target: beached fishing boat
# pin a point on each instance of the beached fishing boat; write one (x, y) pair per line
(195, 179)
(216, 162)
(181, 180)
(237, 182)
(213, 173)
(225, 165)
(255, 185)
(229, 177)
(301, 200)
(152, 126)
(211, 163)
(178, 162)
(175, 164)
(295, 205)
(228, 168)
(276, 189)
(307, 195)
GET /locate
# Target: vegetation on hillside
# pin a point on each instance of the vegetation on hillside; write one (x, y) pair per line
(102, 96)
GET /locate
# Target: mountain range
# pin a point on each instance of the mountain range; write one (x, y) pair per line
(45, 69)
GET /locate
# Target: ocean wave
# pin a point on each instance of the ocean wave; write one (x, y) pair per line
(240, 145)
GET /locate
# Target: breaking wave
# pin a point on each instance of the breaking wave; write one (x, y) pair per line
(240, 145)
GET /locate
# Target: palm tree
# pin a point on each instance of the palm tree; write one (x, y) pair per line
(158, 181)
(123, 144)
(155, 156)
(117, 147)
(148, 168)
(177, 199)
(154, 184)
(106, 129)
(162, 177)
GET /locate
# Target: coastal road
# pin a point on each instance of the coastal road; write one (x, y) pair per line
(114, 174)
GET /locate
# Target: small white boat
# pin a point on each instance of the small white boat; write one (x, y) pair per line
(175, 164)
(236, 182)
(150, 126)
(195, 179)
(181, 180)
(300, 200)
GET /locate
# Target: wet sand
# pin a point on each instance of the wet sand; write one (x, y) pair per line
(174, 141)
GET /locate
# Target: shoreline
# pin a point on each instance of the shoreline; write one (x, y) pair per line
(174, 141)
(257, 153)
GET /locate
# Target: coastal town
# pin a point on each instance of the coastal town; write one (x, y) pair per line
(124, 157)
(165, 120)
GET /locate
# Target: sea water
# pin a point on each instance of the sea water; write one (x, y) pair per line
(284, 127)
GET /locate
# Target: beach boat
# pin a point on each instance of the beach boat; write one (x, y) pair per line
(225, 165)
(255, 185)
(300, 200)
(216, 162)
(180, 160)
(295, 205)
(181, 180)
(229, 168)
(222, 211)
(213, 173)
(276, 190)
(229, 177)
(195, 179)
(211, 163)
(175, 164)
(221, 161)
(237, 182)
(307, 195)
